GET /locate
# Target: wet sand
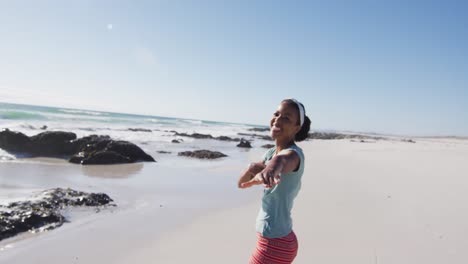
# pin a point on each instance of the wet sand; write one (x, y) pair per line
(382, 202)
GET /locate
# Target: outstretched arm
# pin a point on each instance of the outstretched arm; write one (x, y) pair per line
(270, 175)
(250, 172)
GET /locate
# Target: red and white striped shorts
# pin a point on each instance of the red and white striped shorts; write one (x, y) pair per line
(275, 250)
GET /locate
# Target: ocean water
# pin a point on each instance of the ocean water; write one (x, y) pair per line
(144, 191)
(30, 120)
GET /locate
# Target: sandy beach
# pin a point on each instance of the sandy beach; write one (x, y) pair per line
(383, 202)
(380, 202)
(126, 126)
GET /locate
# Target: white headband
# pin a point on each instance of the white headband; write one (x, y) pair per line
(301, 110)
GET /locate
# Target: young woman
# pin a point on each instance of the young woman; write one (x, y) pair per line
(280, 171)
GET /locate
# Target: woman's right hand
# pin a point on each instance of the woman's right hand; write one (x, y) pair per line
(252, 170)
(269, 176)
(256, 180)
(256, 167)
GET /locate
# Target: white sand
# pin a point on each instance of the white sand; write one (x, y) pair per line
(384, 202)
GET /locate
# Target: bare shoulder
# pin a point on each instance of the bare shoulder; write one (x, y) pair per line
(289, 153)
(291, 160)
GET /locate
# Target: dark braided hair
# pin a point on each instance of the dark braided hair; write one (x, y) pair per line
(304, 132)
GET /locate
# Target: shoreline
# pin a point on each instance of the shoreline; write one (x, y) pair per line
(156, 198)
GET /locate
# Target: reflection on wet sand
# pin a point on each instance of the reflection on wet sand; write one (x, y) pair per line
(119, 171)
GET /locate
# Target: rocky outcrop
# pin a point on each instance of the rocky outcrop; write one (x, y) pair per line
(99, 157)
(259, 129)
(264, 137)
(43, 212)
(103, 150)
(332, 135)
(202, 154)
(50, 143)
(14, 141)
(205, 136)
(268, 146)
(363, 141)
(92, 149)
(244, 144)
(140, 130)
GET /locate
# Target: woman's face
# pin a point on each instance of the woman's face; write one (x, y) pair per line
(285, 122)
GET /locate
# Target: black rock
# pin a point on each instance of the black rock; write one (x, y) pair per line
(332, 135)
(43, 212)
(50, 144)
(12, 141)
(203, 154)
(195, 135)
(77, 158)
(264, 137)
(53, 137)
(268, 146)
(130, 150)
(258, 129)
(92, 149)
(53, 143)
(140, 130)
(204, 136)
(226, 138)
(175, 141)
(15, 222)
(244, 144)
(89, 141)
(104, 157)
(105, 151)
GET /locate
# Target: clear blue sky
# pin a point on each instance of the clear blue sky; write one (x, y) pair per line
(378, 66)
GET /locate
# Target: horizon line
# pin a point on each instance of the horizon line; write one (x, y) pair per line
(254, 125)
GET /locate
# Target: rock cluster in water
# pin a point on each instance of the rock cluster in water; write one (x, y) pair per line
(313, 135)
(264, 137)
(92, 149)
(43, 212)
(202, 154)
(244, 144)
(332, 135)
(140, 130)
(205, 136)
(259, 129)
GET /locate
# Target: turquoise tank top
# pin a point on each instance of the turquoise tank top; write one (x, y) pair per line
(274, 218)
